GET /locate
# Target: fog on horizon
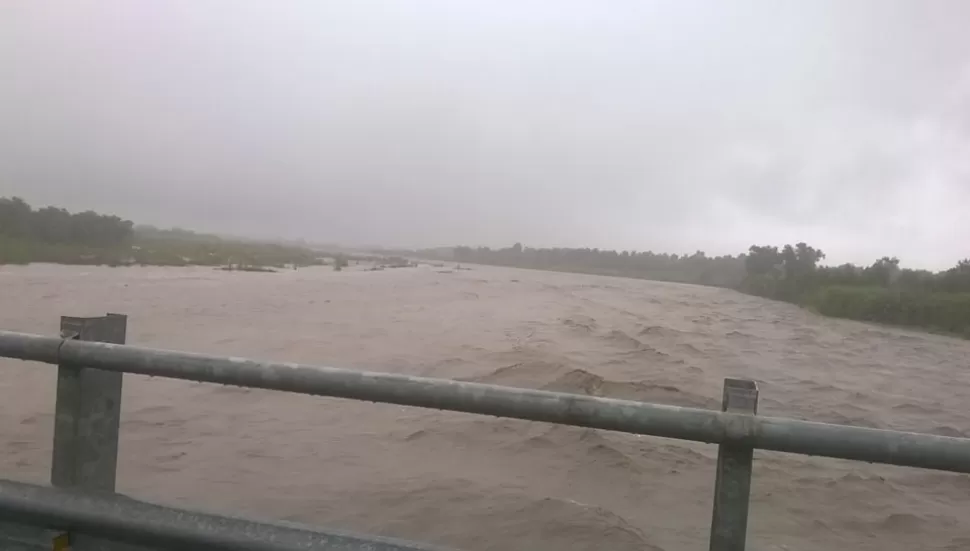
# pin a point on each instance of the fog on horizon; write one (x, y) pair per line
(666, 126)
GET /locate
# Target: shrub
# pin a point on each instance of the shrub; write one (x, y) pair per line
(949, 312)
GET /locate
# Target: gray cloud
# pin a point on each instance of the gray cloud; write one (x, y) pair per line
(665, 125)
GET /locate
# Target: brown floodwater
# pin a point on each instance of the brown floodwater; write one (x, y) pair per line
(482, 483)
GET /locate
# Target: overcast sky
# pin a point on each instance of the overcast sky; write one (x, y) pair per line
(672, 126)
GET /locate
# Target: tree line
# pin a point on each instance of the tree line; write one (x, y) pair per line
(52, 234)
(698, 268)
(58, 226)
(791, 272)
(881, 292)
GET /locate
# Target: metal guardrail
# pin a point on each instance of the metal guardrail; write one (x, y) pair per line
(88, 414)
(99, 520)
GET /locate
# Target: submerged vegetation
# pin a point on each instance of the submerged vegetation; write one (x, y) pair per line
(698, 268)
(55, 235)
(181, 248)
(340, 262)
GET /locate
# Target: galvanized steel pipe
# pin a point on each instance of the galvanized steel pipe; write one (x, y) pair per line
(777, 434)
(121, 519)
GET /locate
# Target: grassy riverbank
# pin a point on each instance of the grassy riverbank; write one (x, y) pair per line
(158, 251)
(947, 313)
(882, 292)
(55, 235)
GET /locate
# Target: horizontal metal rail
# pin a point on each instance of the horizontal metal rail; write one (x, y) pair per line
(122, 519)
(768, 433)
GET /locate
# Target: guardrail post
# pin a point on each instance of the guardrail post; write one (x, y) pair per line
(732, 487)
(88, 411)
(87, 417)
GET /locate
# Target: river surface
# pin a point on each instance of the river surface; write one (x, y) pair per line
(481, 483)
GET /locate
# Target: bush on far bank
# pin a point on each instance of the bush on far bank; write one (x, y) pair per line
(946, 312)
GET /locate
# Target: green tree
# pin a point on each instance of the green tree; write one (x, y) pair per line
(883, 272)
(15, 217)
(761, 260)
